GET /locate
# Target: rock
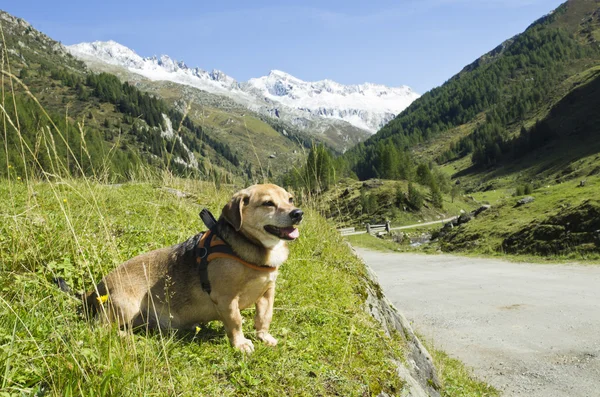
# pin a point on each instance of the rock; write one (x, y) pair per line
(479, 210)
(525, 200)
(177, 193)
(464, 218)
(372, 183)
(418, 371)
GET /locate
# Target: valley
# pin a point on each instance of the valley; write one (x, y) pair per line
(105, 154)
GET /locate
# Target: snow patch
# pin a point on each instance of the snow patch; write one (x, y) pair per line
(169, 134)
(366, 106)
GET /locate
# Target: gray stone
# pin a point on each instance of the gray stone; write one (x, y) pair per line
(177, 193)
(481, 209)
(464, 218)
(418, 371)
(525, 200)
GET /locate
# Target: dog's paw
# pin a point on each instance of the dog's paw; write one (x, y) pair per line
(267, 338)
(244, 345)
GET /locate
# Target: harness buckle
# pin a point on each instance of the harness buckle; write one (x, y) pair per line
(201, 252)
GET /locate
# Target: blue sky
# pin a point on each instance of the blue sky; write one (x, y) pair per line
(420, 43)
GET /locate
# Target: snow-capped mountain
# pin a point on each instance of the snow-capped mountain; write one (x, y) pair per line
(367, 106)
(304, 104)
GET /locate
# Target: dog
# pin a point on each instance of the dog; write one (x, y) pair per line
(183, 285)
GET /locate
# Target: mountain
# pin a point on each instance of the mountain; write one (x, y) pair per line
(490, 116)
(65, 119)
(318, 106)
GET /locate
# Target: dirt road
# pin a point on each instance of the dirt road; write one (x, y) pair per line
(528, 329)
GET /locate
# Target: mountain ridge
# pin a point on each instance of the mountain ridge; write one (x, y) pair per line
(366, 106)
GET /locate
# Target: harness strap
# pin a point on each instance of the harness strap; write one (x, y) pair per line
(202, 260)
(210, 247)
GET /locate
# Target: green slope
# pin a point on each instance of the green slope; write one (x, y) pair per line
(524, 114)
(51, 102)
(490, 101)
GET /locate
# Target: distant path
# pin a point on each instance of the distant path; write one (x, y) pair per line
(528, 329)
(408, 226)
(424, 224)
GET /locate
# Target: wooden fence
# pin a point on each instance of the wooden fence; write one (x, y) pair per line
(379, 229)
(347, 230)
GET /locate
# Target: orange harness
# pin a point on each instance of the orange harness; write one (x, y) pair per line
(210, 246)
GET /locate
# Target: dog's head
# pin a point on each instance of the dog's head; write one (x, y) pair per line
(265, 213)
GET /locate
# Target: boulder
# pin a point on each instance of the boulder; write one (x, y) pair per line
(525, 200)
(479, 210)
(418, 371)
(464, 218)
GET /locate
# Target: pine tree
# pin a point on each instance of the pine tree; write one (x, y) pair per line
(415, 199)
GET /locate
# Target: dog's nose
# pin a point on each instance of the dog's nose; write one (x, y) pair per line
(296, 215)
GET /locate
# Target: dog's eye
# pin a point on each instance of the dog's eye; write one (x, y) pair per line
(269, 204)
(291, 200)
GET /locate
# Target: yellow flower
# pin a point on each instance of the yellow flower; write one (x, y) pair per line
(64, 200)
(102, 299)
(18, 178)
(9, 166)
(197, 329)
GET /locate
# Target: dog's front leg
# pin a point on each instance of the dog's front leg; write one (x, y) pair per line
(264, 315)
(229, 312)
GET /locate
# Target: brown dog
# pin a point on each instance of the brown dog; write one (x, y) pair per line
(163, 288)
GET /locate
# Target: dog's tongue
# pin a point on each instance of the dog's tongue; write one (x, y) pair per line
(290, 232)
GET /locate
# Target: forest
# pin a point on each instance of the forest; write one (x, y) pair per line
(507, 86)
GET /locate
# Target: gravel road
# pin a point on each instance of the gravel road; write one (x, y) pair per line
(528, 329)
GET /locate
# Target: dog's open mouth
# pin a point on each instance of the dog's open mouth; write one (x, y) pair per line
(285, 233)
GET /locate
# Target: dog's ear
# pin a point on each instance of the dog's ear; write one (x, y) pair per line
(233, 210)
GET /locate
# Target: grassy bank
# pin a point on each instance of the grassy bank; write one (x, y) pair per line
(560, 225)
(80, 230)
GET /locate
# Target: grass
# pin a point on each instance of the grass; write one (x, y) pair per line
(373, 243)
(457, 379)
(81, 230)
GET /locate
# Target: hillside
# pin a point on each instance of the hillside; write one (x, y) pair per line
(57, 101)
(354, 203)
(473, 122)
(522, 117)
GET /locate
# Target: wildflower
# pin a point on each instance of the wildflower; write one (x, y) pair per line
(102, 298)
(64, 200)
(18, 178)
(9, 166)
